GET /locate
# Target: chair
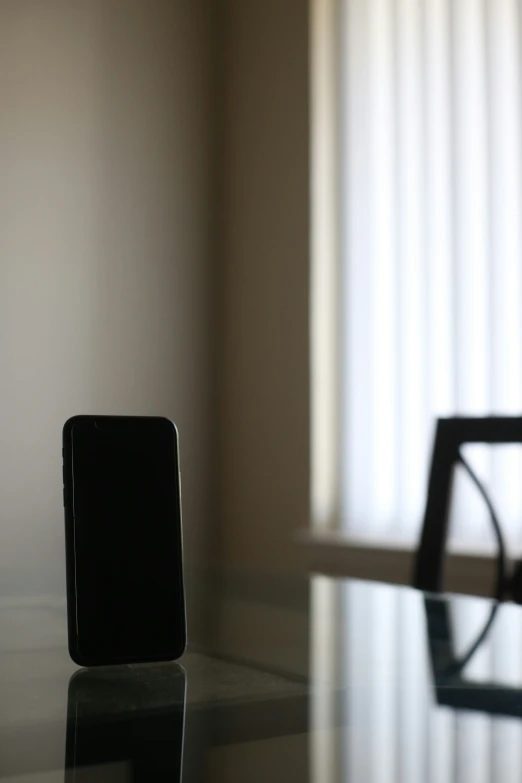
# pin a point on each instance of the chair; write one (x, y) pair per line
(451, 434)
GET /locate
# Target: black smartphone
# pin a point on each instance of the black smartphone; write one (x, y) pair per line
(126, 723)
(125, 595)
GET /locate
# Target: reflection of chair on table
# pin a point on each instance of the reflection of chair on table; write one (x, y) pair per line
(451, 688)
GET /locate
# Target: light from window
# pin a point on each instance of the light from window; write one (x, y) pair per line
(431, 249)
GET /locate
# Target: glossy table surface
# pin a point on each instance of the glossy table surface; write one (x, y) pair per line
(397, 686)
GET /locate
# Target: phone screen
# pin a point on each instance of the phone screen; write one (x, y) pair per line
(126, 538)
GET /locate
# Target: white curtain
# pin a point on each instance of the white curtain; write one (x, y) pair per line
(431, 195)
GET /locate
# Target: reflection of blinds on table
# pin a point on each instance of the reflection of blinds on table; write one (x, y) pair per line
(431, 186)
(395, 732)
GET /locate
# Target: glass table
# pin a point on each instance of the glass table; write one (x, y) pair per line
(400, 687)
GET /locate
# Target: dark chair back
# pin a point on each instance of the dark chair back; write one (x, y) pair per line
(450, 435)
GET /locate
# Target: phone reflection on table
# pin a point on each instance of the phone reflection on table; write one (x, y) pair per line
(125, 723)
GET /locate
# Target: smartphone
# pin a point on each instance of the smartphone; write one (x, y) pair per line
(125, 596)
(126, 723)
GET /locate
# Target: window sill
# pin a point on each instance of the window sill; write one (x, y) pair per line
(335, 554)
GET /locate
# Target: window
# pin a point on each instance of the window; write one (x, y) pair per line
(428, 141)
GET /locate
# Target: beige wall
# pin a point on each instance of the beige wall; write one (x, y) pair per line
(104, 249)
(264, 433)
(264, 437)
(116, 196)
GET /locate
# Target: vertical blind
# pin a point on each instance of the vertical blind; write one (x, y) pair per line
(430, 194)
(431, 246)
